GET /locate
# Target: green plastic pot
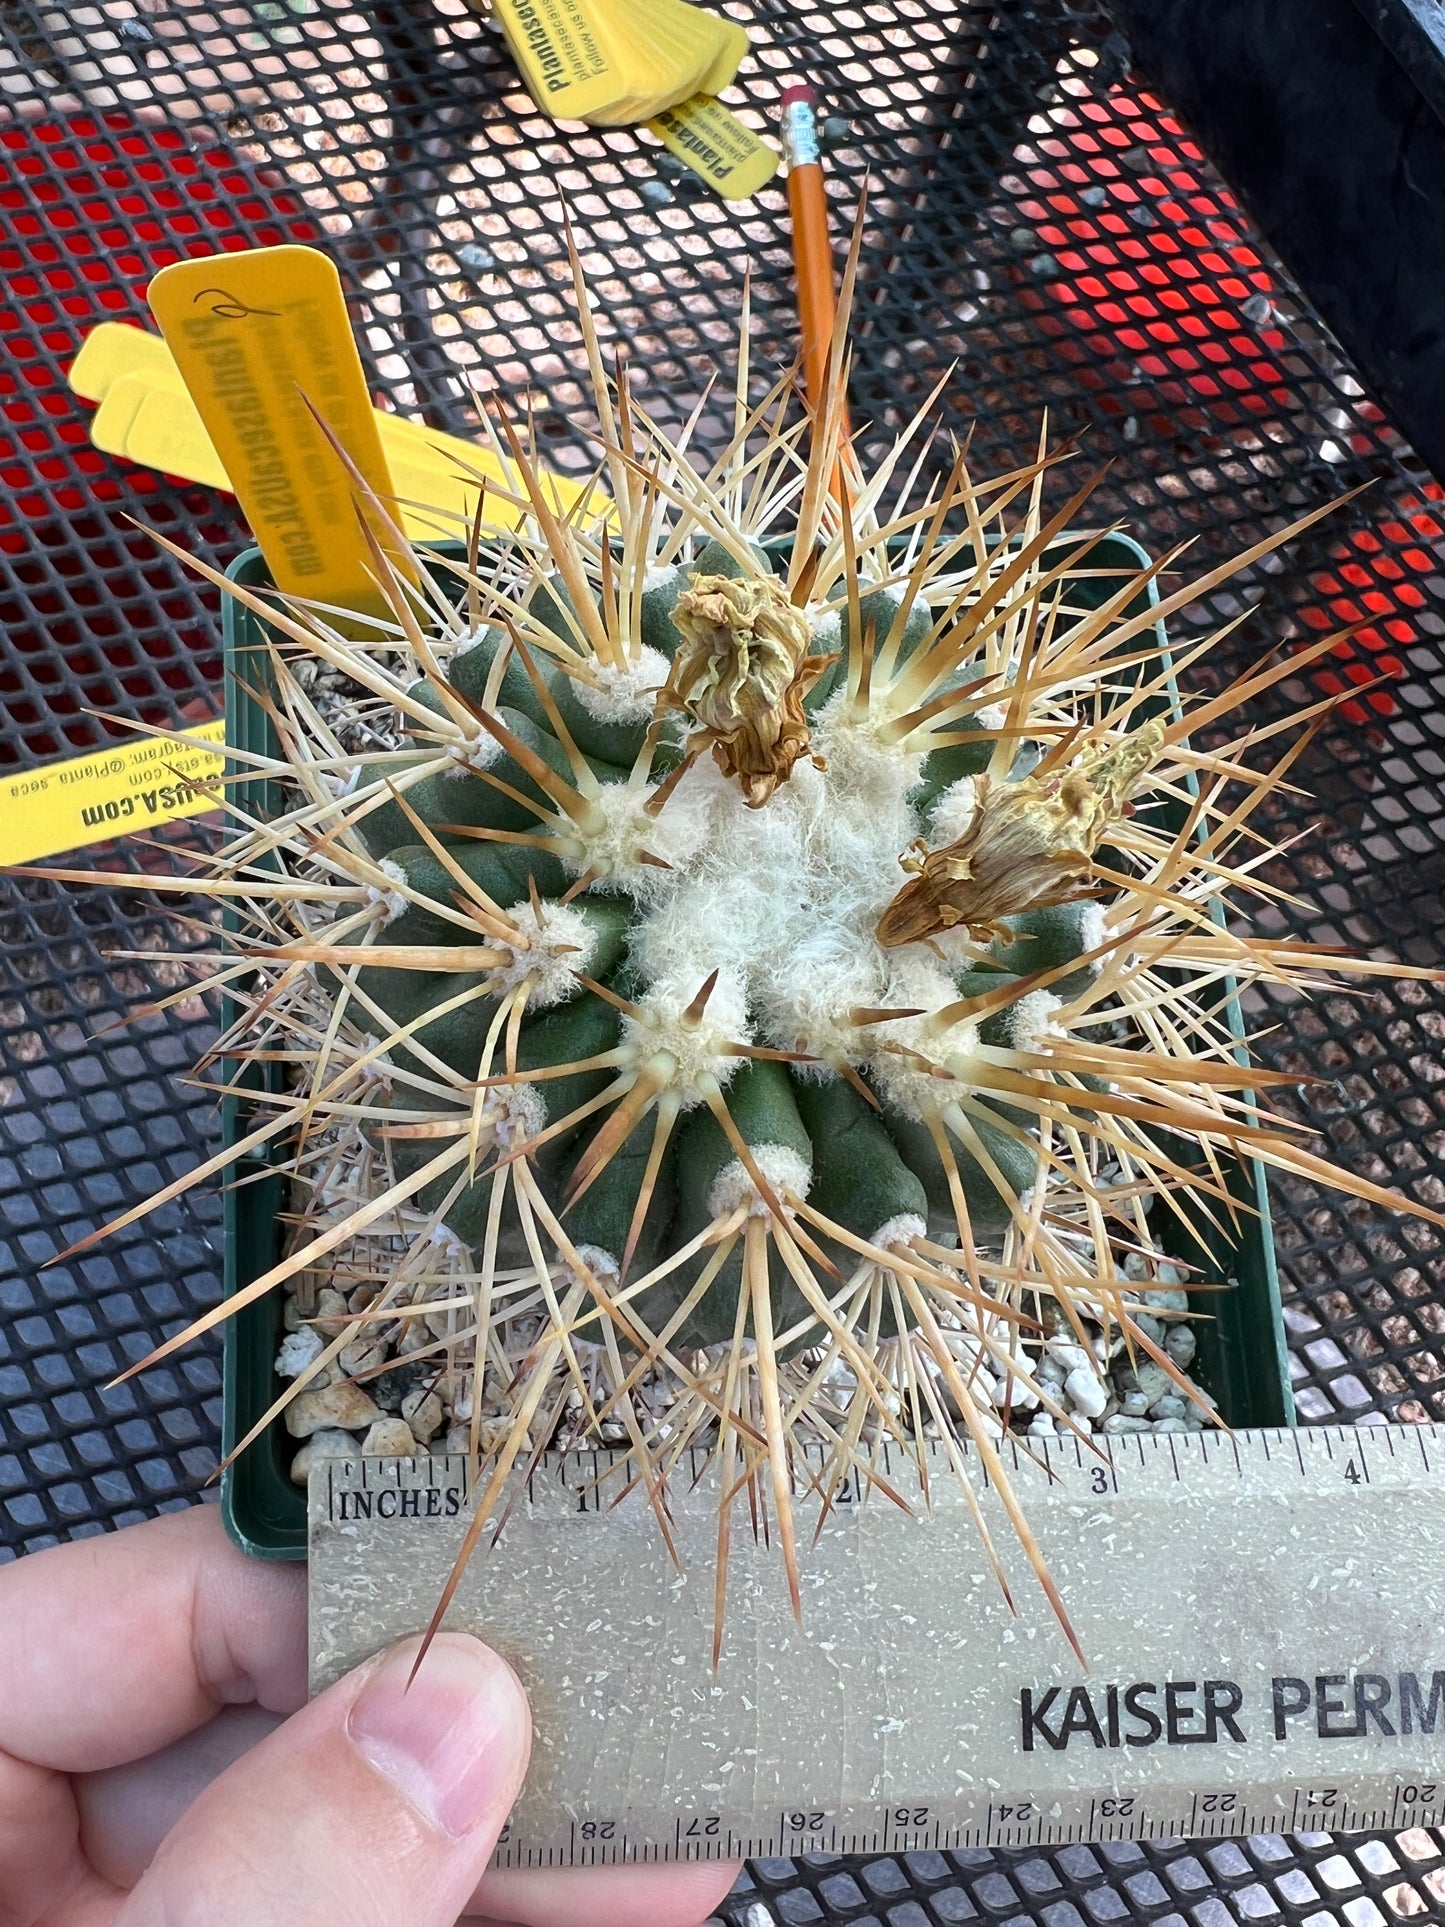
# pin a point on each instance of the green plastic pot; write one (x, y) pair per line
(1241, 1358)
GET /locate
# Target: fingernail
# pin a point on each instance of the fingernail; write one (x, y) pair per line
(454, 1741)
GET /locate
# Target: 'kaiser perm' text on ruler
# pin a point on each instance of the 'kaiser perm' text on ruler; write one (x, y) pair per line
(1260, 1613)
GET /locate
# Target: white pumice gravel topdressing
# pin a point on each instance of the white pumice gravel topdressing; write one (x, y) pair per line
(403, 1386)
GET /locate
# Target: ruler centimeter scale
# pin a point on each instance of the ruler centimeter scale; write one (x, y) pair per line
(1261, 1612)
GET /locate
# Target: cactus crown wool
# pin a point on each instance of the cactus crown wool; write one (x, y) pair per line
(739, 933)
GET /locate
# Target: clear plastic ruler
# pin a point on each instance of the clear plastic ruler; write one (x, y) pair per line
(1261, 1613)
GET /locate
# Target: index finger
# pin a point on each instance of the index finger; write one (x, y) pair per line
(114, 1646)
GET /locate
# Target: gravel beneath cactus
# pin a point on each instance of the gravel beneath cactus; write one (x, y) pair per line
(359, 722)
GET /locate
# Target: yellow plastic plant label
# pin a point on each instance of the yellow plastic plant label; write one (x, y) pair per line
(614, 63)
(729, 58)
(116, 348)
(145, 414)
(157, 424)
(257, 336)
(89, 799)
(566, 53)
(670, 51)
(714, 143)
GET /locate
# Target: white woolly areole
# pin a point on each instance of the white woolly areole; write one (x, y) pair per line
(448, 1243)
(613, 851)
(472, 639)
(1092, 932)
(624, 695)
(863, 768)
(953, 812)
(1032, 1020)
(786, 1170)
(392, 901)
(920, 982)
(897, 1232)
(785, 899)
(603, 1265)
(909, 1090)
(809, 1009)
(783, 902)
(660, 578)
(698, 1051)
(827, 630)
(516, 1113)
(561, 944)
(476, 752)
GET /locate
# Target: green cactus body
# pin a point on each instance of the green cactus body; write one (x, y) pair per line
(714, 1182)
(575, 1032)
(600, 1221)
(946, 766)
(731, 559)
(470, 672)
(873, 1172)
(980, 1148)
(505, 871)
(655, 627)
(476, 799)
(884, 622)
(1044, 939)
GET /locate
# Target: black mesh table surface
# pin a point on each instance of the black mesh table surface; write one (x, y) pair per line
(1034, 219)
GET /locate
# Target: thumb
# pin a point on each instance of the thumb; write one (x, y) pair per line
(378, 1804)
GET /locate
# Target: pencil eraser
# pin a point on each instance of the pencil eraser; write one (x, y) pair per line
(798, 90)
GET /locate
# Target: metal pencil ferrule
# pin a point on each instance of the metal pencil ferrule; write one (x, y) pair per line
(800, 134)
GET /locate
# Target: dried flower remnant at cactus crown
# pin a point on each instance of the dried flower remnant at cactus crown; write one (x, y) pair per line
(741, 672)
(606, 1043)
(1027, 847)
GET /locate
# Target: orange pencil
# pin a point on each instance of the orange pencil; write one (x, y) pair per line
(812, 248)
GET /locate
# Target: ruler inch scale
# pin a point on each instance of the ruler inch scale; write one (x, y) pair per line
(1261, 1612)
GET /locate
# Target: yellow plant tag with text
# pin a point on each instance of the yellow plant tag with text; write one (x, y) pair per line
(146, 414)
(257, 336)
(715, 144)
(89, 799)
(568, 57)
(616, 62)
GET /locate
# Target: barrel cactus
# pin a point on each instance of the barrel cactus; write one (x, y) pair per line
(761, 927)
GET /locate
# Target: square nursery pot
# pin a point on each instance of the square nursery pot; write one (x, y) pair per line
(1241, 1359)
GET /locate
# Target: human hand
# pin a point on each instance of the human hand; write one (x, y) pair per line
(149, 1774)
